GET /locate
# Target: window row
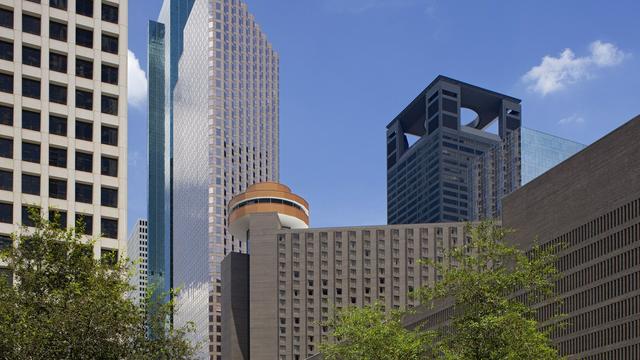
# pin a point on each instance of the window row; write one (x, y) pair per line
(109, 12)
(58, 62)
(58, 188)
(58, 94)
(84, 222)
(31, 120)
(58, 157)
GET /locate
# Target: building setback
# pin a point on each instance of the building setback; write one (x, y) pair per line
(63, 117)
(590, 204)
(297, 275)
(225, 138)
(453, 171)
(137, 251)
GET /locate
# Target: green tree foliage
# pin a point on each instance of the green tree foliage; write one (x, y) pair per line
(370, 333)
(66, 304)
(490, 285)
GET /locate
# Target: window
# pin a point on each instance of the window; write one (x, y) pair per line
(60, 4)
(109, 105)
(109, 166)
(58, 189)
(5, 242)
(6, 180)
(84, 224)
(109, 197)
(30, 24)
(58, 217)
(58, 157)
(30, 120)
(109, 256)
(6, 50)
(30, 56)
(6, 83)
(6, 147)
(31, 88)
(109, 74)
(57, 125)
(30, 215)
(31, 152)
(6, 115)
(6, 213)
(84, 37)
(6, 18)
(110, 13)
(109, 135)
(84, 99)
(58, 31)
(109, 44)
(109, 228)
(57, 94)
(84, 193)
(84, 68)
(84, 130)
(84, 161)
(58, 62)
(84, 7)
(31, 184)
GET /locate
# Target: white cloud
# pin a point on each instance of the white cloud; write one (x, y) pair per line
(556, 73)
(136, 81)
(573, 119)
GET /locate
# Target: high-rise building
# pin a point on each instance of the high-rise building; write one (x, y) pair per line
(165, 45)
(453, 171)
(63, 116)
(542, 151)
(295, 277)
(137, 251)
(588, 206)
(223, 138)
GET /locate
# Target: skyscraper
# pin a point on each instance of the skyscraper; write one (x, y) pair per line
(453, 171)
(137, 251)
(542, 151)
(220, 135)
(63, 117)
(165, 44)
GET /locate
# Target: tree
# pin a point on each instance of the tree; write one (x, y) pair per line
(491, 285)
(66, 304)
(486, 280)
(370, 333)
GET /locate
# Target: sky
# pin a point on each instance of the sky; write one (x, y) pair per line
(348, 67)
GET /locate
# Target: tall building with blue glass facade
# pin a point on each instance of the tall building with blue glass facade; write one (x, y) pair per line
(213, 134)
(165, 45)
(542, 151)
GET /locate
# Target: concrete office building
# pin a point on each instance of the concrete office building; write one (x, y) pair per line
(542, 151)
(225, 138)
(590, 203)
(454, 171)
(165, 44)
(137, 251)
(63, 116)
(294, 276)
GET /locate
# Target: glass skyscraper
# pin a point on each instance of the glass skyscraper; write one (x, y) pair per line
(165, 45)
(220, 136)
(542, 151)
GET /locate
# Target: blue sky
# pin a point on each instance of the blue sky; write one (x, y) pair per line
(349, 66)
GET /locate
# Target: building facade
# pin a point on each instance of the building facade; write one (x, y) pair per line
(165, 46)
(138, 253)
(454, 171)
(542, 151)
(225, 138)
(298, 276)
(63, 117)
